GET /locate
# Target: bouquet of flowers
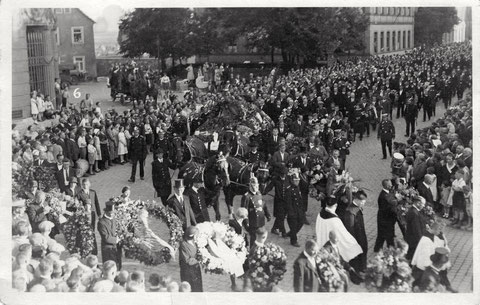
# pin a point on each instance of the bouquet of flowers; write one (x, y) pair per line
(25, 173)
(79, 236)
(428, 212)
(330, 272)
(266, 267)
(235, 242)
(53, 199)
(342, 181)
(405, 199)
(389, 271)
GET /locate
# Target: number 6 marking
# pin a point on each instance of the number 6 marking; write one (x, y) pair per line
(76, 93)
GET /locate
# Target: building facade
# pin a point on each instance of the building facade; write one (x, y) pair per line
(34, 57)
(390, 29)
(75, 39)
(463, 30)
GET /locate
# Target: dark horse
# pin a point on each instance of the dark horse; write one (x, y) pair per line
(192, 149)
(215, 176)
(240, 173)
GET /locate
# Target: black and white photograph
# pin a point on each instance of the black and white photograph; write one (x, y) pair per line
(318, 148)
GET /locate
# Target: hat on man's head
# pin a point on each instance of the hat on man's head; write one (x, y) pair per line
(440, 255)
(73, 180)
(253, 144)
(160, 151)
(303, 148)
(178, 183)
(109, 206)
(198, 178)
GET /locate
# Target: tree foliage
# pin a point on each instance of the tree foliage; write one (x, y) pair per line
(432, 22)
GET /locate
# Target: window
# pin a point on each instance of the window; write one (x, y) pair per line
(408, 11)
(57, 36)
(403, 40)
(79, 62)
(66, 11)
(399, 44)
(394, 42)
(408, 40)
(77, 34)
(402, 11)
(381, 42)
(381, 11)
(58, 11)
(388, 42)
(374, 10)
(232, 48)
(397, 11)
(375, 42)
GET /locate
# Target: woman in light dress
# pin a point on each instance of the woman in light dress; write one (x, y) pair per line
(34, 106)
(150, 239)
(232, 263)
(122, 144)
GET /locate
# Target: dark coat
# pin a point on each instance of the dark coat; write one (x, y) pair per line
(197, 202)
(279, 199)
(108, 235)
(59, 176)
(425, 192)
(72, 149)
(295, 207)
(161, 177)
(354, 223)
(386, 130)
(305, 276)
(92, 199)
(137, 148)
(36, 215)
(416, 227)
(190, 270)
(386, 209)
(256, 217)
(277, 161)
(297, 129)
(186, 214)
(430, 278)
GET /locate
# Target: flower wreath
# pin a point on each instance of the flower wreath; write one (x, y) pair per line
(79, 236)
(233, 240)
(126, 216)
(330, 270)
(266, 266)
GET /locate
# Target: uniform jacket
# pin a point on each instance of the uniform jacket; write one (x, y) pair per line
(295, 208)
(197, 202)
(257, 210)
(161, 176)
(386, 130)
(137, 148)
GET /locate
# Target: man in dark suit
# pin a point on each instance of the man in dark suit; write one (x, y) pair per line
(424, 190)
(272, 142)
(138, 153)
(161, 175)
(73, 188)
(298, 127)
(305, 272)
(196, 196)
(89, 199)
(295, 209)
(280, 184)
(431, 278)
(386, 133)
(63, 175)
(190, 269)
(181, 205)
(416, 226)
(254, 155)
(302, 161)
(355, 225)
(256, 207)
(108, 234)
(386, 216)
(72, 148)
(279, 160)
(410, 114)
(402, 97)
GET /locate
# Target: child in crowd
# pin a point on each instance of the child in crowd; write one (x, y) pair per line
(445, 199)
(92, 153)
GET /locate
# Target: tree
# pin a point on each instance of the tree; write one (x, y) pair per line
(432, 22)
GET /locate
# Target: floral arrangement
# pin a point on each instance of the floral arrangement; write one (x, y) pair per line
(293, 144)
(342, 181)
(329, 271)
(24, 173)
(389, 271)
(79, 236)
(266, 267)
(53, 199)
(129, 228)
(428, 212)
(234, 241)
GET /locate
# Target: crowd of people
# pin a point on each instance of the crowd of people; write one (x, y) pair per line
(325, 107)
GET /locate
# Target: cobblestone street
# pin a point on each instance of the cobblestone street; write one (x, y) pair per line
(364, 163)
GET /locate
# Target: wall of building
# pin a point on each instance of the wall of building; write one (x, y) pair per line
(67, 49)
(20, 63)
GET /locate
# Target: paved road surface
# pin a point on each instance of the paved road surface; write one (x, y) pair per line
(364, 162)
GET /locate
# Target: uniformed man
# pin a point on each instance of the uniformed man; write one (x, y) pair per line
(161, 142)
(280, 184)
(254, 155)
(256, 207)
(295, 209)
(161, 175)
(386, 133)
(179, 127)
(196, 194)
(255, 137)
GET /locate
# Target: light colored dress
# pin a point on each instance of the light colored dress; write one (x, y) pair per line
(34, 106)
(122, 143)
(98, 156)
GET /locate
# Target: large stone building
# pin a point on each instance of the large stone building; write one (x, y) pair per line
(75, 39)
(463, 30)
(34, 57)
(390, 29)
